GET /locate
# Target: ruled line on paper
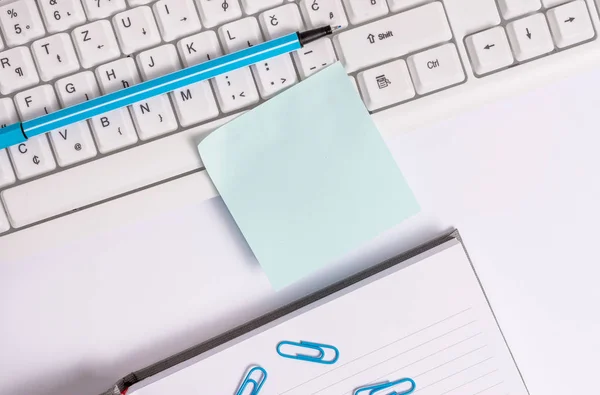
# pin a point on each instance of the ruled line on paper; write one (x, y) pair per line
(381, 348)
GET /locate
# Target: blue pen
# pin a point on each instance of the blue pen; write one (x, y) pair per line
(19, 132)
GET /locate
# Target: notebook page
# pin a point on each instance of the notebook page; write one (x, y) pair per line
(429, 321)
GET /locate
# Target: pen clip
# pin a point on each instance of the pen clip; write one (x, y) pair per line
(255, 383)
(377, 389)
(321, 348)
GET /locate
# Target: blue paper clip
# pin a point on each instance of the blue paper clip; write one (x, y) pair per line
(377, 389)
(320, 358)
(256, 384)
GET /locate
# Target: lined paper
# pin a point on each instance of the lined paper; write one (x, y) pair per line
(428, 320)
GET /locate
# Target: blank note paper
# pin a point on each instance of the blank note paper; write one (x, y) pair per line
(428, 320)
(307, 176)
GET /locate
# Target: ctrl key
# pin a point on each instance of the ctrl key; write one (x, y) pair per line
(385, 85)
(436, 68)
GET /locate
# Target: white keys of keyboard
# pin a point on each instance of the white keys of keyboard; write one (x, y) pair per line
(20, 22)
(99, 9)
(71, 144)
(95, 43)
(254, 6)
(570, 24)
(152, 117)
(32, 158)
(471, 16)
(217, 12)
(530, 37)
(281, 21)
(136, 29)
(552, 3)
(7, 176)
(135, 3)
(514, 8)
(8, 116)
(436, 68)
(4, 224)
(272, 75)
(489, 50)
(193, 104)
(401, 5)
(176, 18)
(55, 56)
(314, 56)
(323, 12)
(113, 130)
(393, 36)
(61, 15)
(17, 70)
(386, 85)
(360, 11)
(199, 48)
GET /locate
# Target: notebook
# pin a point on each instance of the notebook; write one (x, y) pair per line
(422, 315)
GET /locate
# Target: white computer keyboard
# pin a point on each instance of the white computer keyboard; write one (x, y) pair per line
(57, 53)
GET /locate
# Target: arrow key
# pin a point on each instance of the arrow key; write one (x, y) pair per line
(570, 24)
(530, 37)
(489, 50)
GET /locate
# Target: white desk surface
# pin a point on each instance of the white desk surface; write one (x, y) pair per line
(518, 178)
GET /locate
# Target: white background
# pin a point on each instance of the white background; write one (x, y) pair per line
(518, 178)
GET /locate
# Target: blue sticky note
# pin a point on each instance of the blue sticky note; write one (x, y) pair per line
(307, 176)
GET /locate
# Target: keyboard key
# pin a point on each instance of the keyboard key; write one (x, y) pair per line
(386, 85)
(217, 12)
(136, 29)
(435, 69)
(135, 3)
(95, 43)
(471, 16)
(360, 11)
(32, 158)
(530, 37)
(194, 103)
(199, 48)
(113, 130)
(281, 21)
(4, 224)
(393, 36)
(55, 56)
(20, 22)
(401, 5)
(235, 90)
(254, 6)
(552, 3)
(323, 12)
(17, 70)
(62, 15)
(489, 50)
(514, 8)
(152, 117)
(570, 24)
(7, 176)
(71, 144)
(99, 9)
(314, 56)
(176, 18)
(8, 116)
(272, 75)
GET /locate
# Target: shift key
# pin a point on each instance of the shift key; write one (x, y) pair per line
(392, 37)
